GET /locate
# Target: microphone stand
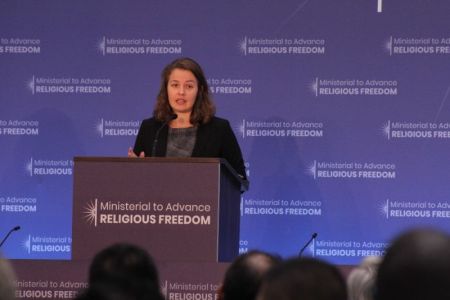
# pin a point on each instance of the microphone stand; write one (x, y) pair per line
(155, 141)
(313, 237)
(9, 233)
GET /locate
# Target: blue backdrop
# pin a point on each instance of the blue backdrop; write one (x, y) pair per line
(340, 107)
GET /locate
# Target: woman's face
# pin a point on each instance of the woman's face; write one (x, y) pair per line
(182, 89)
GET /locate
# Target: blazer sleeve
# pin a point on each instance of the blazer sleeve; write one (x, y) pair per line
(140, 138)
(231, 150)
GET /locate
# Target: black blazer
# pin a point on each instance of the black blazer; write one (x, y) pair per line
(214, 139)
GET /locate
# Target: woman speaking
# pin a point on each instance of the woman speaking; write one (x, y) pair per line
(183, 122)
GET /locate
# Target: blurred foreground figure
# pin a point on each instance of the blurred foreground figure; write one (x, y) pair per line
(7, 278)
(361, 280)
(123, 271)
(243, 277)
(416, 267)
(303, 279)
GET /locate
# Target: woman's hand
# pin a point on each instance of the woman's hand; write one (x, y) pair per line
(132, 154)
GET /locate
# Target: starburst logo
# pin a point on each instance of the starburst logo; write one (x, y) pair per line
(99, 127)
(379, 6)
(241, 129)
(31, 85)
(90, 212)
(29, 167)
(312, 170)
(247, 168)
(243, 46)
(242, 207)
(102, 46)
(384, 208)
(164, 288)
(387, 129)
(314, 87)
(312, 248)
(388, 45)
(26, 244)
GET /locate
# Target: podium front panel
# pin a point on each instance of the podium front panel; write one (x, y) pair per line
(169, 208)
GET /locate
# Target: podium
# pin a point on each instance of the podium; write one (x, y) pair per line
(179, 209)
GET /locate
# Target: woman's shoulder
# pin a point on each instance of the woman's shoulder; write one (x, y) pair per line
(220, 122)
(216, 125)
(150, 122)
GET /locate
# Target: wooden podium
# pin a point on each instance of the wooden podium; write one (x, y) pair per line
(179, 209)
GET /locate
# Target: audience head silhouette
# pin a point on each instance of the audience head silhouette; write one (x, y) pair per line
(305, 279)
(361, 280)
(416, 267)
(123, 271)
(243, 277)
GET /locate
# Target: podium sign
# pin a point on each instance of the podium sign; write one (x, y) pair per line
(179, 209)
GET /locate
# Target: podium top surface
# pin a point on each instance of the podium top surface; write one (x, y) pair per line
(151, 159)
(200, 160)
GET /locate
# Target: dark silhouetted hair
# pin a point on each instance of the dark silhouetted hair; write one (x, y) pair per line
(122, 271)
(416, 267)
(305, 279)
(243, 278)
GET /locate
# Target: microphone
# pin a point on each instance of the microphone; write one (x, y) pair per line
(155, 141)
(6, 237)
(313, 237)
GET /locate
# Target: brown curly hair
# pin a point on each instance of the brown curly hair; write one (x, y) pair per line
(204, 108)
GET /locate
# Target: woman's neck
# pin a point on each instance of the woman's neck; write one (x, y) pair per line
(182, 121)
